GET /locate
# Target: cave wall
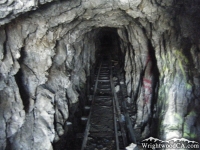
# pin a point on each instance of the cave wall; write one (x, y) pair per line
(161, 72)
(46, 54)
(38, 88)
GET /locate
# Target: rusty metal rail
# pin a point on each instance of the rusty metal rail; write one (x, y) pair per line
(118, 111)
(89, 117)
(104, 122)
(114, 110)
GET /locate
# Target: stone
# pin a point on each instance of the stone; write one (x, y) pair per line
(121, 82)
(12, 113)
(115, 78)
(117, 88)
(47, 49)
(128, 99)
(132, 146)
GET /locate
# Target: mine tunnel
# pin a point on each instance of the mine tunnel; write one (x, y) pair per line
(107, 44)
(91, 112)
(97, 75)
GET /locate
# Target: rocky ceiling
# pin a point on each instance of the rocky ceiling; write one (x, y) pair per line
(48, 47)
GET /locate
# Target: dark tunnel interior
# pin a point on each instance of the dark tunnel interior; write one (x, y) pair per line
(107, 43)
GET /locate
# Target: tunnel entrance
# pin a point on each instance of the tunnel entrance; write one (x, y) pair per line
(108, 80)
(108, 56)
(106, 117)
(50, 55)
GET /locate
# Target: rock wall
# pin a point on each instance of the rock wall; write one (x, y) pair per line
(41, 75)
(161, 72)
(10, 9)
(46, 55)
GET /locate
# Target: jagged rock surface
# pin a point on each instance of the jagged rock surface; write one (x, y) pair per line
(10, 9)
(45, 57)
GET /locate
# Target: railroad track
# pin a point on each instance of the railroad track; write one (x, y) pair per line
(104, 129)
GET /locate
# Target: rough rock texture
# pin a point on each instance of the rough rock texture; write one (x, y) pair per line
(46, 55)
(168, 48)
(10, 9)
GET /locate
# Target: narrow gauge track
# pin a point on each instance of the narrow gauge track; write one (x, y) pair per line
(104, 129)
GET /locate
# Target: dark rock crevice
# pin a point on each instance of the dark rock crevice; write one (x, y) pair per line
(155, 86)
(5, 47)
(19, 77)
(22, 89)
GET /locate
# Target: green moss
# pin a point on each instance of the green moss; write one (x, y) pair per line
(179, 118)
(193, 135)
(182, 57)
(188, 130)
(183, 60)
(192, 114)
(189, 135)
(188, 86)
(186, 135)
(181, 67)
(166, 70)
